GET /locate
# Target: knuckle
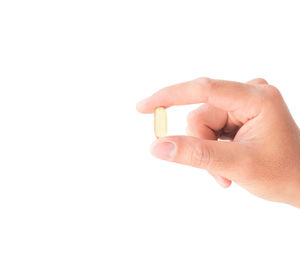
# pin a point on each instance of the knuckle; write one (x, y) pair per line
(204, 81)
(200, 156)
(272, 92)
(191, 118)
(207, 84)
(260, 81)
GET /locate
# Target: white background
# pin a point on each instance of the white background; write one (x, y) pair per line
(76, 174)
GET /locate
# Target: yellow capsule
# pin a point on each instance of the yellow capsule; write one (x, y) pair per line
(160, 122)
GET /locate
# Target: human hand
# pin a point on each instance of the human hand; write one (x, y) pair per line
(263, 154)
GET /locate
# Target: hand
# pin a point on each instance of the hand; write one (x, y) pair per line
(263, 154)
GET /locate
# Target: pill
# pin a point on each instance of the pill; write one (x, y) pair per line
(160, 122)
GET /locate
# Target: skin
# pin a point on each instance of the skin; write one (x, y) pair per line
(262, 150)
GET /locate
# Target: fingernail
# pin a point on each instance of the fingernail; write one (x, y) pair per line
(222, 181)
(164, 150)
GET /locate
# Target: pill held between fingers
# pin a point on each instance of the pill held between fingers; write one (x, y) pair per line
(160, 122)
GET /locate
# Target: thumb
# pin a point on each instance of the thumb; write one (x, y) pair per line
(218, 156)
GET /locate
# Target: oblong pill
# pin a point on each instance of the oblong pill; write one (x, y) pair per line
(160, 122)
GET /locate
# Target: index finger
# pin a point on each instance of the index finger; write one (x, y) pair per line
(226, 95)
